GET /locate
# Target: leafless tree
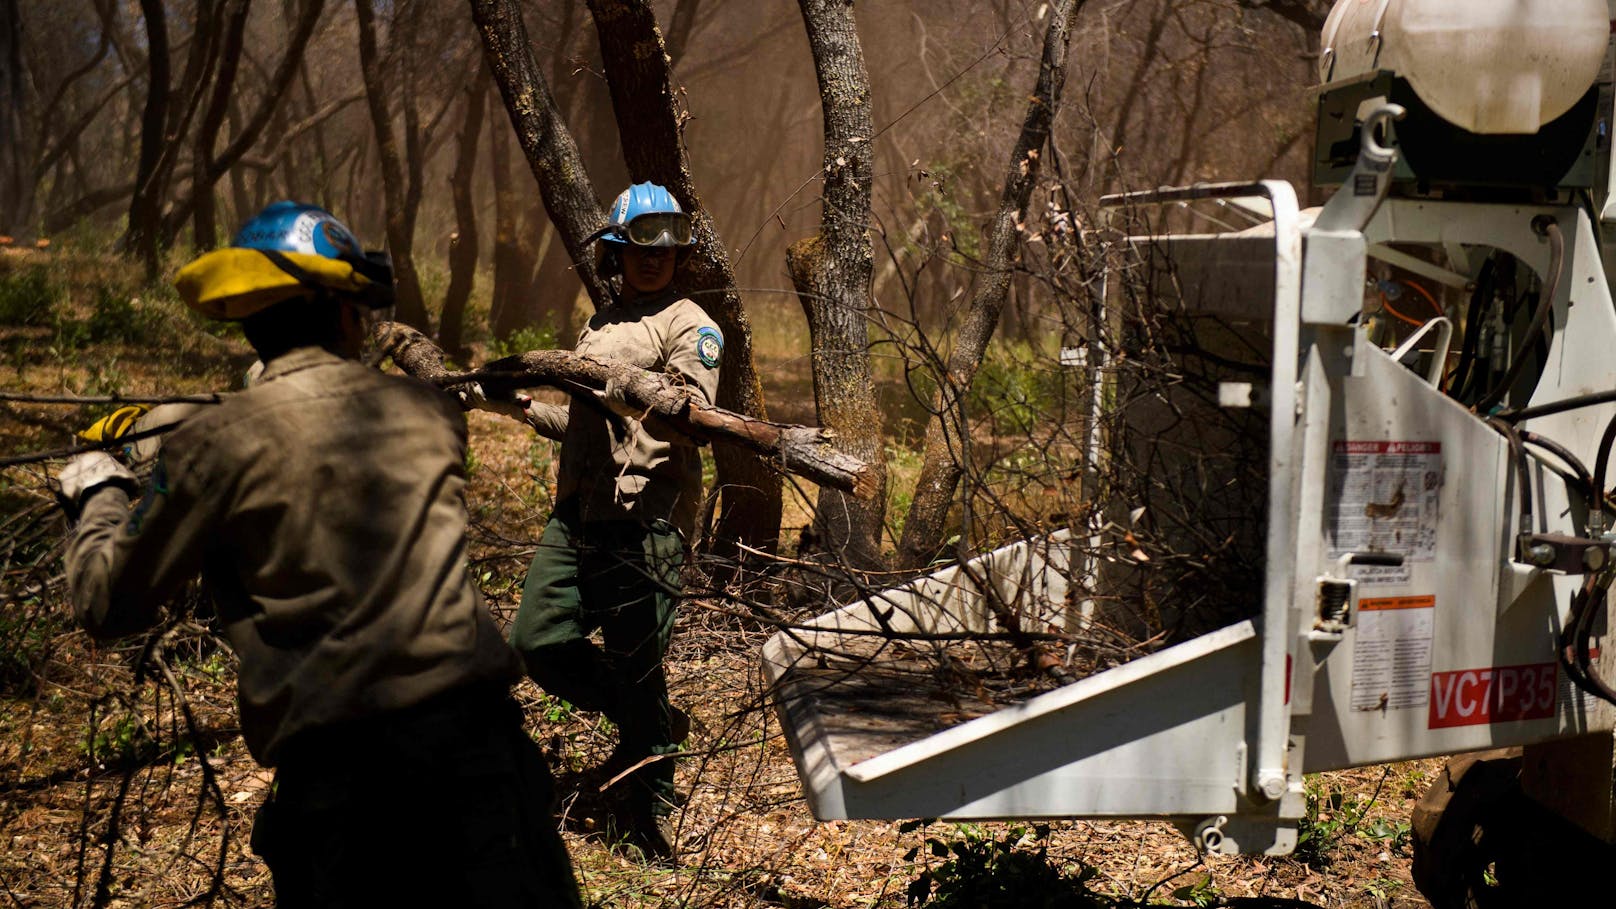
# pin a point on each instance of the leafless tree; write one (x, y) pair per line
(401, 188)
(463, 243)
(947, 437)
(145, 206)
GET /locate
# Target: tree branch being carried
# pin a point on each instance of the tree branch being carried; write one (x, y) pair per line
(802, 450)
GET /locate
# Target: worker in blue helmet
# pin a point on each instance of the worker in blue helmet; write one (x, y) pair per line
(324, 506)
(628, 490)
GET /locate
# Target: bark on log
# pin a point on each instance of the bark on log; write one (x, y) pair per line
(802, 450)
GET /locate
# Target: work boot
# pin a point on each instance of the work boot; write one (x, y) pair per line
(678, 725)
(618, 761)
(639, 830)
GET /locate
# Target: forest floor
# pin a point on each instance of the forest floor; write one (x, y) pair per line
(123, 781)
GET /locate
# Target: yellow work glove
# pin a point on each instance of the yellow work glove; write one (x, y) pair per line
(114, 425)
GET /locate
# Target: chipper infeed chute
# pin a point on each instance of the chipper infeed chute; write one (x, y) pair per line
(1417, 563)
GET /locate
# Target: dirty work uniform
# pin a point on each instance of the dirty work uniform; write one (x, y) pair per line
(609, 557)
(325, 508)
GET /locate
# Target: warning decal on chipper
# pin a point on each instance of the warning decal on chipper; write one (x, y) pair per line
(1383, 498)
(1391, 658)
(1497, 694)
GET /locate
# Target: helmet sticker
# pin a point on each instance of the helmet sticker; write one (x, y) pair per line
(709, 346)
(338, 240)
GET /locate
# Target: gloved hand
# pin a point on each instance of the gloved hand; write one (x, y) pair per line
(512, 404)
(612, 397)
(114, 425)
(87, 473)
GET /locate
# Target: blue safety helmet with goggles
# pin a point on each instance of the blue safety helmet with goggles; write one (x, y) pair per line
(645, 214)
(294, 227)
(289, 250)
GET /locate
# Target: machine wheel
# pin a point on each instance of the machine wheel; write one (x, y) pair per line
(1481, 843)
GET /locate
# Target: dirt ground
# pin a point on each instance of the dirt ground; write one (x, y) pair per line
(131, 788)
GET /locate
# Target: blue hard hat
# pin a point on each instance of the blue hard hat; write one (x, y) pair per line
(294, 227)
(660, 220)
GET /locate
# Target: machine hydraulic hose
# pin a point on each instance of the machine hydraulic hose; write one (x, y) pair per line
(1545, 226)
(1576, 652)
(1575, 472)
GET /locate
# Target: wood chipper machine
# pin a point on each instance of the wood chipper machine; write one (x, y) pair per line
(1436, 542)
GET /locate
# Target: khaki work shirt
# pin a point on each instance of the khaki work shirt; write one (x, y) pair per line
(622, 469)
(325, 508)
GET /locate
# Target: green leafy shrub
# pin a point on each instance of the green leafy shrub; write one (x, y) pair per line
(117, 316)
(1333, 814)
(1017, 387)
(28, 297)
(524, 339)
(1012, 871)
(121, 738)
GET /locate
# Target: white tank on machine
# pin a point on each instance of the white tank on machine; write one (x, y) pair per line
(1487, 66)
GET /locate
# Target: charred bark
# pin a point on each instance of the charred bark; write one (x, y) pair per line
(831, 273)
(650, 123)
(948, 435)
(569, 199)
(802, 450)
(400, 235)
(463, 245)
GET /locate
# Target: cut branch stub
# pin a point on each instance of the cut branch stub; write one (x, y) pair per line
(802, 450)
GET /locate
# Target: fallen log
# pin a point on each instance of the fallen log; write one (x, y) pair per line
(802, 450)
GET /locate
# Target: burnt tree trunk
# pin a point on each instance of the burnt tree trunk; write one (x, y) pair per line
(552, 293)
(650, 124)
(400, 237)
(463, 245)
(948, 435)
(569, 199)
(831, 273)
(145, 222)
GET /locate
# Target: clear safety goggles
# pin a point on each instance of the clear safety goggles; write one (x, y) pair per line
(662, 228)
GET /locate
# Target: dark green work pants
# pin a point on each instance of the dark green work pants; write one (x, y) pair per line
(621, 577)
(444, 804)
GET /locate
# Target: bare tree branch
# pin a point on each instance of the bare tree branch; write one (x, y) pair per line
(948, 435)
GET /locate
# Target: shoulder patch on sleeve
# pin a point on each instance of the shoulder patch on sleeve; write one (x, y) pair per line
(157, 486)
(709, 346)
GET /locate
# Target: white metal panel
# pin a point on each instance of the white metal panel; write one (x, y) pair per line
(1160, 736)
